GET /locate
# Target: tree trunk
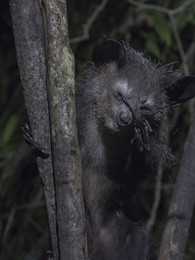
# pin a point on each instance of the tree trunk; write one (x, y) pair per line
(29, 41)
(66, 156)
(182, 203)
(53, 78)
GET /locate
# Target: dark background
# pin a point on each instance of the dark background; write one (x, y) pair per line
(23, 219)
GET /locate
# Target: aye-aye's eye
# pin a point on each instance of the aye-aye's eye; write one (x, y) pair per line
(119, 96)
(145, 108)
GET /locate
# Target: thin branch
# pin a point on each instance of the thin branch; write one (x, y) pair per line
(191, 51)
(158, 186)
(180, 47)
(160, 8)
(88, 24)
(155, 205)
(171, 14)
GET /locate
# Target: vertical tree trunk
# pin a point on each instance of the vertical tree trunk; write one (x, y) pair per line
(29, 42)
(53, 78)
(66, 157)
(182, 204)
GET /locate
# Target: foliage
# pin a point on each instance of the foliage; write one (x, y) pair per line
(23, 221)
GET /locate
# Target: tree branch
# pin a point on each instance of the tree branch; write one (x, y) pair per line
(179, 46)
(171, 14)
(151, 220)
(160, 8)
(65, 149)
(88, 24)
(29, 41)
(182, 203)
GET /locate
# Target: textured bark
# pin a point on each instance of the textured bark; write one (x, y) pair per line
(182, 203)
(55, 80)
(66, 156)
(29, 41)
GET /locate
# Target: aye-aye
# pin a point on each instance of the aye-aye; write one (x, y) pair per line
(121, 103)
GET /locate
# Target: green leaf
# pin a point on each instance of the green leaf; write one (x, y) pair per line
(185, 18)
(9, 129)
(152, 47)
(163, 28)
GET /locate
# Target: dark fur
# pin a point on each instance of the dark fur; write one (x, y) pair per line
(121, 103)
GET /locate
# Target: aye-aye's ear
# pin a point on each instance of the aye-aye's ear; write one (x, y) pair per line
(106, 51)
(182, 90)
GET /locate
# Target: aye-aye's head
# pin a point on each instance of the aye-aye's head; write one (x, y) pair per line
(131, 92)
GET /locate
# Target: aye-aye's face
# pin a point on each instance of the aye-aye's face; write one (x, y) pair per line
(125, 100)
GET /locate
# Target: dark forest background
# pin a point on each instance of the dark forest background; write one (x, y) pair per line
(163, 35)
